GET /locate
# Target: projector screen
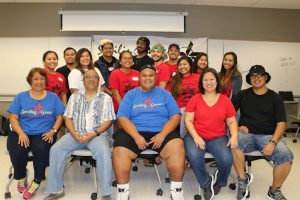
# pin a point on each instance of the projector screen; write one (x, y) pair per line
(123, 21)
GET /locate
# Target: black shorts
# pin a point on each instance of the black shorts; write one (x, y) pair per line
(122, 139)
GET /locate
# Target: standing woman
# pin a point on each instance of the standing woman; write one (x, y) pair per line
(56, 81)
(200, 63)
(123, 79)
(184, 85)
(206, 117)
(83, 62)
(35, 115)
(230, 77)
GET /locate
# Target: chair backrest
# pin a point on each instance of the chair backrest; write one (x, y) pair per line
(286, 95)
(298, 111)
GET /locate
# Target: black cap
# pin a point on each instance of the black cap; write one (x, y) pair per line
(257, 69)
(147, 67)
(174, 45)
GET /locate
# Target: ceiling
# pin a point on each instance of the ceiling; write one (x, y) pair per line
(284, 4)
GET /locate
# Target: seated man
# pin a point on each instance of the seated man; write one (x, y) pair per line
(148, 116)
(88, 116)
(261, 125)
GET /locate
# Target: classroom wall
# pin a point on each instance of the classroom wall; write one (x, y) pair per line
(41, 19)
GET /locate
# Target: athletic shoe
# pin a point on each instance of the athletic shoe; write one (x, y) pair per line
(275, 195)
(122, 194)
(208, 191)
(243, 186)
(55, 196)
(177, 194)
(28, 194)
(22, 185)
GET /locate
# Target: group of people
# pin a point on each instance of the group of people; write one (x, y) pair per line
(180, 108)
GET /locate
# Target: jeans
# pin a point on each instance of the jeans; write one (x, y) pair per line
(222, 154)
(101, 153)
(19, 155)
(182, 124)
(249, 142)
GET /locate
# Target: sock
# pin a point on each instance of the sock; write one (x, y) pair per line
(175, 185)
(123, 186)
(37, 181)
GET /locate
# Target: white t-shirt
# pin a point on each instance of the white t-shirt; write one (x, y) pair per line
(75, 79)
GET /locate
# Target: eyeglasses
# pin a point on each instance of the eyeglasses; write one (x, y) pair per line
(254, 76)
(126, 58)
(91, 78)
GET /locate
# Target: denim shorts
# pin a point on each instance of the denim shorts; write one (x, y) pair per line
(249, 142)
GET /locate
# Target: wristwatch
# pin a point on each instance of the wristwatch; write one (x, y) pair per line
(54, 130)
(97, 133)
(273, 142)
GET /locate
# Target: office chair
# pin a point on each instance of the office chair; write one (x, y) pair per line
(295, 124)
(85, 155)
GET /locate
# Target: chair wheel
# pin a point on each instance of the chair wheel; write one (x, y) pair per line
(167, 180)
(232, 186)
(7, 195)
(134, 168)
(9, 176)
(87, 170)
(248, 196)
(94, 196)
(197, 197)
(114, 183)
(159, 192)
(294, 140)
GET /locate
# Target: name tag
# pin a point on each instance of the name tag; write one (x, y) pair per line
(110, 69)
(174, 73)
(135, 78)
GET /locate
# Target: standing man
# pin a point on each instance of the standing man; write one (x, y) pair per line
(261, 125)
(107, 62)
(148, 116)
(142, 58)
(158, 54)
(69, 56)
(173, 54)
(88, 116)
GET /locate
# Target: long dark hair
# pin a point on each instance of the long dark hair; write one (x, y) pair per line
(205, 71)
(195, 66)
(177, 78)
(225, 77)
(77, 60)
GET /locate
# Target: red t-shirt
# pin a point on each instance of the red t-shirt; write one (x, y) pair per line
(210, 122)
(189, 88)
(123, 82)
(172, 68)
(227, 91)
(56, 83)
(163, 73)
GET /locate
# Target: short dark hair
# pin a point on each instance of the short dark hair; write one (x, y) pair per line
(205, 71)
(121, 54)
(146, 40)
(69, 48)
(33, 71)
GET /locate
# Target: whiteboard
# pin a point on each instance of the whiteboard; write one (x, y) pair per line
(280, 59)
(19, 55)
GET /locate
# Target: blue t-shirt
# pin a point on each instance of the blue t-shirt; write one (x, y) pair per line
(148, 111)
(36, 116)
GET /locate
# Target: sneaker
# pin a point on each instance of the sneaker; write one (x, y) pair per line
(30, 192)
(216, 176)
(55, 196)
(122, 194)
(217, 189)
(177, 194)
(243, 186)
(275, 195)
(208, 191)
(22, 185)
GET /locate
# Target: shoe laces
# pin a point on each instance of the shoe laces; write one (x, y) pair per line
(33, 187)
(177, 194)
(122, 194)
(22, 182)
(278, 194)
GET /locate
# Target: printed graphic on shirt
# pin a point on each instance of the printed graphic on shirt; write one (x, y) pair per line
(147, 105)
(36, 112)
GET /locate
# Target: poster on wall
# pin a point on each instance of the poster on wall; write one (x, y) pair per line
(188, 46)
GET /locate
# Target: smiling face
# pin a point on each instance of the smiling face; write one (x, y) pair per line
(141, 46)
(91, 80)
(184, 68)
(209, 82)
(38, 82)
(258, 80)
(173, 53)
(50, 61)
(228, 62)
(157, 55)
(85, 59)
(147, 79)
(202, 62)
(107, 50)
(69, 56)
(126, 60)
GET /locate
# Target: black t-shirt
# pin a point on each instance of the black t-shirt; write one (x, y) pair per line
(259, 113)
(140, 62)
(65, 71)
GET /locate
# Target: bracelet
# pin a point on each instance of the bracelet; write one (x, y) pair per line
(273, 142)
(54, 130)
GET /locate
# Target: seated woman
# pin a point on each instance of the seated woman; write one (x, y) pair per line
(206, 116)
(35, 115)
